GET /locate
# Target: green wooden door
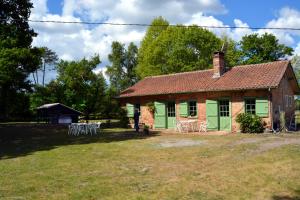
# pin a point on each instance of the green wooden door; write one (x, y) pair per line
(160, 115)
(171, 115)
(224, 115)
(212, 115)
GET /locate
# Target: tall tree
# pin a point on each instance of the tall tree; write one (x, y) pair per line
(177, 49)
(49, 58)
(262, 48)
(296, 66)
(17, 58)
(231, 50)
(83, 89)
(158, 26)
(121, 72)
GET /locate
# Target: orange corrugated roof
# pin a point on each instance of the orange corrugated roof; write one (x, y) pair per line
(244, 77)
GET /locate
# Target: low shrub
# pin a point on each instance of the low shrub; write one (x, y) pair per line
(250, 123)
(124, 121)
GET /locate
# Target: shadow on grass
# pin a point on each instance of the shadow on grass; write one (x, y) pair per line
(288, 197)
(21, 140)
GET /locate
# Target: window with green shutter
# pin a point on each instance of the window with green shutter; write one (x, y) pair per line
(262, 107)
(183, 109)
(250, 106)
(130, 110)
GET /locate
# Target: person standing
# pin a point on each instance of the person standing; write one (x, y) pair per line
(136, 118)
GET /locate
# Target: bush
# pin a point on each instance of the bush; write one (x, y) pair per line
(122, 116)
(250, 123)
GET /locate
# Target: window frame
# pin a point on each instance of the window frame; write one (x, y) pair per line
(286, 100)
(245, 105)
(167, 110)
(290, 101)
(224, 111)
(196, 108)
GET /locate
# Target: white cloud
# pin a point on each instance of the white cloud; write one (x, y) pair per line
(287, 17)
(74, 41)
(297, 49)
(237, 34)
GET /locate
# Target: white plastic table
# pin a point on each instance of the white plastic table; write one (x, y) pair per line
(188, 124)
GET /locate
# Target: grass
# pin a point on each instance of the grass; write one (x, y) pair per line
(42, 162)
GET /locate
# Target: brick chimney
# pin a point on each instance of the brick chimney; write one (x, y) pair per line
(218, 64)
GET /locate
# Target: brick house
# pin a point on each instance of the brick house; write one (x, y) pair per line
(216, 95)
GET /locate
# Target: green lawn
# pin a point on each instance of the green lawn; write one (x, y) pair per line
(41, 162)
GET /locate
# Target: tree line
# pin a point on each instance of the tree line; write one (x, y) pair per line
(164, 49)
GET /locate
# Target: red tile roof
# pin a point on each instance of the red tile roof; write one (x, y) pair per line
(256, 76)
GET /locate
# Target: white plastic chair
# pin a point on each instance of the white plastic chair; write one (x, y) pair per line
(178, 126)
(203, 126)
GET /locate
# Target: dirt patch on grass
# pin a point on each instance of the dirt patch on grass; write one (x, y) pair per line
(276, 143)
(266, 143)
(249, 141)
(180, 143)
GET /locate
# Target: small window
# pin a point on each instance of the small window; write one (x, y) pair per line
(290, 101)
(192, 108)
(286, 100)
(250, 106)
(224, 108)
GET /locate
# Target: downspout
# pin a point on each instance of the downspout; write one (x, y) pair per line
(271, 108)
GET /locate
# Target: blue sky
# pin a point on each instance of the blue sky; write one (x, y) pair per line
(76, 41)
(256, 12)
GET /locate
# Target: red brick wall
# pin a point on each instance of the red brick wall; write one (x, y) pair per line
(237, 104)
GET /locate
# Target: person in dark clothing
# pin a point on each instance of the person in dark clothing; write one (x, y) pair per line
(136, 118)
(276, 122)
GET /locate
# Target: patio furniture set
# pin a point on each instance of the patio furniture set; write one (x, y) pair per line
(191, 125)
(84, 128)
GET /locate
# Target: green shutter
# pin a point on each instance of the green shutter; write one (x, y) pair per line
(262, 107)
(183, 109)
(212, 115)
(130, 110)
(160, 115)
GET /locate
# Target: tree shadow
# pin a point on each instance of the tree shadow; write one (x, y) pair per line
(288, 197)
(21, 140)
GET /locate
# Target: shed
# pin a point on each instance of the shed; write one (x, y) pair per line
(57, 113)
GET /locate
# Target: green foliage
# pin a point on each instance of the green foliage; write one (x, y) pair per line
(171, 49)
(49, 57)
(17, 58)
(151, 107)
(124, 121)
(232, 53)
(111, 108)
(121, 72)
(250, 123)
(83, 89)
(296, 66)
(265, 48)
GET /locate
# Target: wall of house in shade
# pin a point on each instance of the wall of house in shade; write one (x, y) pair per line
(236, 98)
(283, 96)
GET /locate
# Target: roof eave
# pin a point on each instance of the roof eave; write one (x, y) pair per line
(198, 91)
